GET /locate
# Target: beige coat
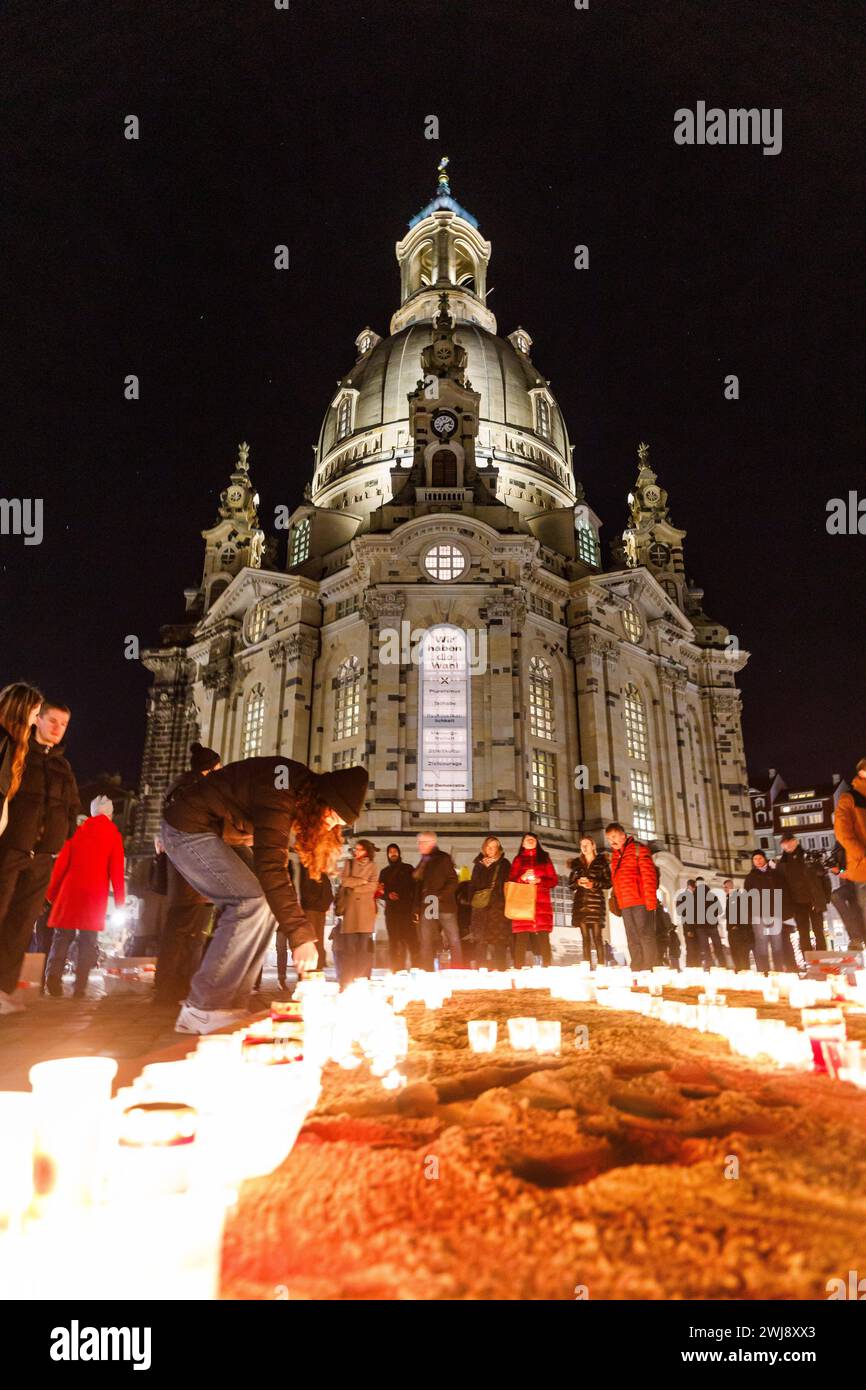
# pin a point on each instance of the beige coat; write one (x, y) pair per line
(359, 878)
(850, 828)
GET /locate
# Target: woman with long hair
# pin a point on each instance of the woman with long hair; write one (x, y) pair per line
(589, 878)
(532, 864)
(356, 899)
(280, 801)
(19, 708)
(491, 929)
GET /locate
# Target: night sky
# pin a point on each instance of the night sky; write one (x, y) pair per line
(306, 127)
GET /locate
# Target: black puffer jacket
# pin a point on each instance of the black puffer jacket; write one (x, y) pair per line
(43, 812)
(589, 908)
(252, 794)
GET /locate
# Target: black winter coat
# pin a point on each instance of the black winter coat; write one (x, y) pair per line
(43, 812)
(490, 926)
(804, 880)
(589, 908)
(316, 894)
(435, 877)
(749, 910)
(397, 878)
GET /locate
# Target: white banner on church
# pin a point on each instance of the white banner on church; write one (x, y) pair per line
(445, 771)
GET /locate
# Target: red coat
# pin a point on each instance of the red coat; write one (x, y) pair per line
(78, 891)
(547, 880)
(633, 875)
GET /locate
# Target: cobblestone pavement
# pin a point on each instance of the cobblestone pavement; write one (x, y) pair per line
(126, 1026)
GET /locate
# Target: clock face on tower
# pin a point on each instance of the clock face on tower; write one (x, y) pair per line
(443, 424)
(651, 496)
(236, 496)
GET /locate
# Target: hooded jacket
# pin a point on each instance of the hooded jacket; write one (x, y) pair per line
(43, 812)
(397, 878)
(850, 827)
(83, 869)
(252, 794)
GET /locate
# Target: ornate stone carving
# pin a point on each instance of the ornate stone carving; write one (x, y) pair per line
(384, 603)
(301, 646)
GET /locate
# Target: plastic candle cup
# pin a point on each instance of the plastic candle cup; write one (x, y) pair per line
(522, 1033)
(548, 1035)
(71, 1102)
(482, 1034)
(825, 1029)
(16, 1155)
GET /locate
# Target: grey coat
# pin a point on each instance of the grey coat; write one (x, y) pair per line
(359, 878)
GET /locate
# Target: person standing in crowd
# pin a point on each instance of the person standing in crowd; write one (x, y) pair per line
(19, 709)
(359, 879)
(740, 935)
(634, 879)
(674, 945)
(398, 895)
(42, 815)
(843, 896)
(532, 864)
(664, 927)
(708, 911)
(807, 894)
(589, 879)
(435, 908)
(491, 929)
(279, 798)
(188, 913)
(764, 906)
(686, 905)
(78, 892)
(850, 826)
(316, 897)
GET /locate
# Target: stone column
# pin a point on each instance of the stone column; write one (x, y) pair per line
(382, 610)
(509, 803)
(594, 657)
(297, 653)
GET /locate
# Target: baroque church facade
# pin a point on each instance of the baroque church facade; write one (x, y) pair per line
(444, 615)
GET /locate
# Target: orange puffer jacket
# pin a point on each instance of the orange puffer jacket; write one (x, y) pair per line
(633, 875)
(850, 827)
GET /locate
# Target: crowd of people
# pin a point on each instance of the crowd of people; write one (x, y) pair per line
(222, 867)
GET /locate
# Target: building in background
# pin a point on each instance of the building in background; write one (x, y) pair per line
(763, 793)
(444, 615)
(806, 811)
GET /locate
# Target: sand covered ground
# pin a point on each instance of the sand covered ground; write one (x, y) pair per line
(652, 1164)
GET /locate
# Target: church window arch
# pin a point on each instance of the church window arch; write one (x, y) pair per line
(344, 418)
(587, 545)
(254, 723)
(636, 738)
(542, 417)
(256, 622)
(347, 700)
(541, 720)
(443, 468)
(631, 623)
(299, 544)
(637, 749)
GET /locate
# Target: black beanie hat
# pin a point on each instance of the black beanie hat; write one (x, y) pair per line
(344, 791)
(202, 759)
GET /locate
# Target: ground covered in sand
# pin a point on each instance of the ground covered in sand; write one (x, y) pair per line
(652, 1164)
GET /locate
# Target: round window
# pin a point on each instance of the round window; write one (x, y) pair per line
(445, 561)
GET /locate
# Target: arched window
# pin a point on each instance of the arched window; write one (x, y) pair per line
(636, 742)
(256, 622)
(254, 723)
(444, 562)
(299, 546)
(545, 794)
(344, 417)
(587, 545)
(228, 557)
(631, 623)
(347, 700)
(540, 699)
(443, 471)
(542, 417)
(637, 748)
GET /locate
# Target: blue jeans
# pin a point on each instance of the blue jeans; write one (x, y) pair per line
(86, 951)
(230, 968)
(640, 931)
(430, 932)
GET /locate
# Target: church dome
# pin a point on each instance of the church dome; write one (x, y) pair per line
(365, 432)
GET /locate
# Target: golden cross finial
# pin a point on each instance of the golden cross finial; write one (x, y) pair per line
(244, 456)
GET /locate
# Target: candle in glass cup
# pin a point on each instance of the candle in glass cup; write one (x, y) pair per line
(482, 1034)
(71, 1100)
(548, 1035)
(522, 1033)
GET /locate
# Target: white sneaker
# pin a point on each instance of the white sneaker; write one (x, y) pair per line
(193, 1020)
(9, 1004)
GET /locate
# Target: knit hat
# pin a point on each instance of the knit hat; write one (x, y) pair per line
(202, 759)
(344, 791)
(101, 806)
